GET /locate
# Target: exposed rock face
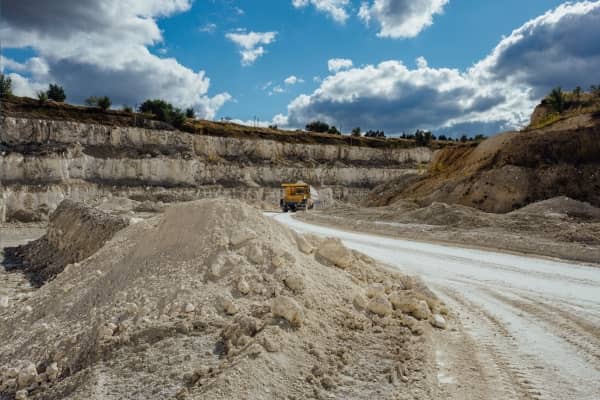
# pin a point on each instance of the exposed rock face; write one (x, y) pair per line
(44, 161)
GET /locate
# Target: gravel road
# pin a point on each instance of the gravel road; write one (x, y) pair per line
(529, 327)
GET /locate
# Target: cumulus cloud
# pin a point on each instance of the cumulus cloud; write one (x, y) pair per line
(250, 44)
(400, 18)
(338, 64)
(102, 48)
(497, 93)
(336, 9)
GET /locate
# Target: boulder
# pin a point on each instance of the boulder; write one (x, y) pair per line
(289, 309)
(334, 252)
(380, 305)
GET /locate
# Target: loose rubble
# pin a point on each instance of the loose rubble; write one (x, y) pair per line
(213, 300)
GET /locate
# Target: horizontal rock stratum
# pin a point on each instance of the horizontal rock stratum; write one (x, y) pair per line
(45, 161)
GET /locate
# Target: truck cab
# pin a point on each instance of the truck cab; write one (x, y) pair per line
(295, 196)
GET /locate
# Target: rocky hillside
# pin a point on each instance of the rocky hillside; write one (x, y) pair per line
(510, 170)
(51, 152)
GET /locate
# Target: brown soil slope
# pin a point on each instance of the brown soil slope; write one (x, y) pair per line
(510, 170)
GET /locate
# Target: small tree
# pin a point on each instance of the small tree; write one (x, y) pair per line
(356, 131)
(127, 109)
(423, 138)
(56, 93)
(479, 137)
(375, 134)
(42, 97)
(334, 131)
(595, 90)
(163, 111)
(5, 86)
(91, 101)
(577, 93)
(104, 103)
(190, 113)
(273, 127)
(556, 99)
(464, 138)
(317, 126)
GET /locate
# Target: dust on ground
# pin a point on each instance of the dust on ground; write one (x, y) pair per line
(213, 300)
(558, 227)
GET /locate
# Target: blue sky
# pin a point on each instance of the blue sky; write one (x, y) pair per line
(189, 53)
(307, 39)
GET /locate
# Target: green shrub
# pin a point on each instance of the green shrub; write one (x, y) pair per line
(164, 111)
(127, 109)
(556, 99)
(42, 97)
(5, 86)
(317, 126)
(356, 132)
(56, 93)
(104, 103)
(190, 113)
(334, 131)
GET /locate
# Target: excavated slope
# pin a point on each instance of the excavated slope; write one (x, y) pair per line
(508, 171)
(44, 161)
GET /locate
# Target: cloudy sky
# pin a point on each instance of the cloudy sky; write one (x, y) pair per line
(453, 66)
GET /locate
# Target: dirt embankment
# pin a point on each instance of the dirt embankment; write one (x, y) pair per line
(559, 227)
(74, 233)
(213, 300)
(509, 171)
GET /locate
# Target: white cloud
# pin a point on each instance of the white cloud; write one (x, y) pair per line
(336, 9)
(250, 44)
(292, 80)
(498, 93)
(277, 89)
(400, 18)
(101, 48)
(338, 64)
(208, 28)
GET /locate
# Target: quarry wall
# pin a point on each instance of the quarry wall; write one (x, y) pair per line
(43, 162)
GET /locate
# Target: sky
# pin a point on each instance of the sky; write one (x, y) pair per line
(451, 66)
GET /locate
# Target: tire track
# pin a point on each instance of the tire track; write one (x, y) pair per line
(584, 337)
(498, 344)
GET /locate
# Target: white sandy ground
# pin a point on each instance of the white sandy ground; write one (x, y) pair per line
(530, 326)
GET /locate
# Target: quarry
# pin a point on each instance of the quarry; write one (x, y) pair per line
(142, 261)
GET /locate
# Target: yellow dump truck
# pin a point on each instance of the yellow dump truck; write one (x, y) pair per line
(295, 196)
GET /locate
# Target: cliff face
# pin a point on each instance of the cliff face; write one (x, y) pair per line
(44, 161)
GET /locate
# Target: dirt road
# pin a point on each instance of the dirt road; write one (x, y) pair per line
(529, 327)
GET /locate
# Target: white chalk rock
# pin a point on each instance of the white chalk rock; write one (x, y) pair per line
(52, 372)
(21, 395)
(255, 254)
(243, 287)
(375, 290)
(189, 308)
(288, 308)
(303, 244)
(334, 252)
(421, 311)
(380, 305)
(26, 375)
(229, 306)
(241, 236)
(360, 301)
(438, 321)
(131, 308)
(4, 302)
(294, 282)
